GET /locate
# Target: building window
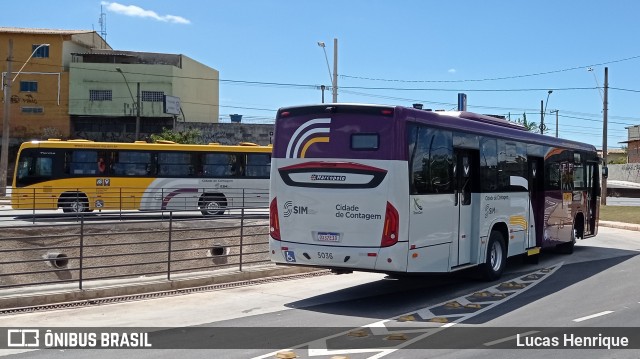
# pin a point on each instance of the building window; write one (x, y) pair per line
(42, 52)
(152, 96)
(32, 109)
(100, 95)
(28, 86)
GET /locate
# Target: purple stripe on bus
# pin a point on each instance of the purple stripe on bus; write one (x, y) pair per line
(392, 132)
(168, 197)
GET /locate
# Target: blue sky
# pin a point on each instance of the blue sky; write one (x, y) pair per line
(389, 52)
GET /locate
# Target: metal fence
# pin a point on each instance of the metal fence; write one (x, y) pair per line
(102, 195)
(81, 247)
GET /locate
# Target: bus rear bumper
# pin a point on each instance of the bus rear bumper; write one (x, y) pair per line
(358, 258)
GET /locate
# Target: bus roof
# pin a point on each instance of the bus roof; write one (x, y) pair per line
(483, 124)
(140, 145)
(455, 120)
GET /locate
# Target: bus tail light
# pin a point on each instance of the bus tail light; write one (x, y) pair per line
(274, 223)
(391, 224)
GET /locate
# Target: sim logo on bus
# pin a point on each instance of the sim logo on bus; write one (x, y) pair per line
(290, 209)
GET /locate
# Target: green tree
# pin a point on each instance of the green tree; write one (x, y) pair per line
(531, 126)
(190, 136)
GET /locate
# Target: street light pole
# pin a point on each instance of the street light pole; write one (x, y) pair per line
(7, 81)
(335, 70)
(605, 110)
(4, 154)
(135, 103)
(333, 77)
(542, 112)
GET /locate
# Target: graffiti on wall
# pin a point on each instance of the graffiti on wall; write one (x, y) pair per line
(25, 99)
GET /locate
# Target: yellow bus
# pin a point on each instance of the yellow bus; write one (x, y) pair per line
(82, 176)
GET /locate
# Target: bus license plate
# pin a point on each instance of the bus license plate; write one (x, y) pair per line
(328, 237)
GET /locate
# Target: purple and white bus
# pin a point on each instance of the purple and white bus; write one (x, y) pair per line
(402, 190)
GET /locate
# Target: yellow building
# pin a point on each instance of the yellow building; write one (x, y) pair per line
(72, 84)
(39, 98)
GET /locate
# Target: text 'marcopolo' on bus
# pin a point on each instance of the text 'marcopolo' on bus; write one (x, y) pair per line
(403, 190)
(81, 176)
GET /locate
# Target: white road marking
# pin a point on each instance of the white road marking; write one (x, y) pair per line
(319, 347)
(510, 338)
(593, 316)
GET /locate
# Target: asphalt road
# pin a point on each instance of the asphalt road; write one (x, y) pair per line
(354, 314)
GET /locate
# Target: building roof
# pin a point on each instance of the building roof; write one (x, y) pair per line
(22, 30)
(86, 38)
(613, 151)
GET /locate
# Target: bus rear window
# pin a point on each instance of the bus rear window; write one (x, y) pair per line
(365, 141)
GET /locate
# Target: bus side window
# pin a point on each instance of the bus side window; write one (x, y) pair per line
(552, 176)
(83, 162)
(431, 160)
(257, 165)
(102, 166)
(488, 164)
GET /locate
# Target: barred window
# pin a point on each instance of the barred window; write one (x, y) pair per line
(100, 95)
(152, 96)
(40, 51)
(31, 109)
(28, 86)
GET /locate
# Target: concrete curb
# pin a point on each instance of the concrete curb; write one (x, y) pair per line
(58, 294)
(620, 225)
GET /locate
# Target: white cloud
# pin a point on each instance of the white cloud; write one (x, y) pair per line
(452, 71)
(136, 11)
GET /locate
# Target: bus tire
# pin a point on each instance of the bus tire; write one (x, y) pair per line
(75, 204)
(496, 258)
(212, 204)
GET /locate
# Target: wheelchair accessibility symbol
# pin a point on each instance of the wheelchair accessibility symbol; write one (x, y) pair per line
(289, 256)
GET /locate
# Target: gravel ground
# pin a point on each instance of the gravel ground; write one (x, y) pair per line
(125, 249)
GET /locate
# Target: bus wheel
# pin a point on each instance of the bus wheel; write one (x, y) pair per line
(496, 259)
(212, 205)
(76, 204)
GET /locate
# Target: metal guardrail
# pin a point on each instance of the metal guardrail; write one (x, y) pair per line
(209, 201)
(101, 196)
(89, 247)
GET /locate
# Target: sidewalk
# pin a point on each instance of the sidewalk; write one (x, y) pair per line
(620, 225)
(146, 287)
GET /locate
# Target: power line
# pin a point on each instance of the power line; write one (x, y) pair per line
(345, 90)
(314, 87)
(494, 78)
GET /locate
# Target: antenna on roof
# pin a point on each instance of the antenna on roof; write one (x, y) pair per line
(103, 24)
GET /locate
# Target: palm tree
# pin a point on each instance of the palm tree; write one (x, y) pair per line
(530, 126)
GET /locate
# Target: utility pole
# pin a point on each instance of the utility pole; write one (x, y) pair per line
(335, 70)
(556, 111)
(138, 113)
(541, 117)
(603, 198)
(4, 152)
